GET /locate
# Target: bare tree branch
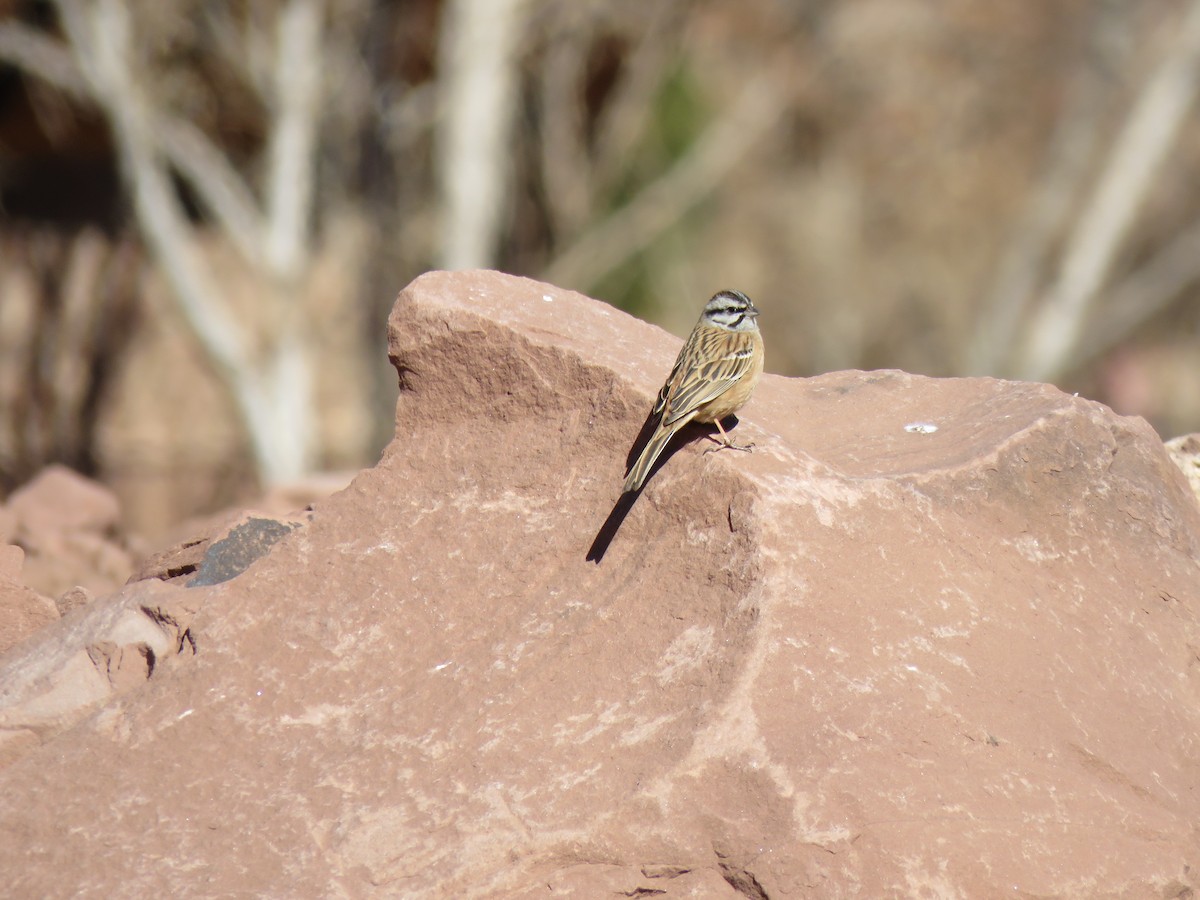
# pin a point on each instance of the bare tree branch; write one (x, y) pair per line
(18, 315)
(1144, 294)
(30, 50)
(625, 116)
(72, 340)
(1136, 158)
(217, 185)
(662, 203)
(275, 396)
(565, 164)
(242, 44)
(101, 35)
(1071, 145)
(102, 39)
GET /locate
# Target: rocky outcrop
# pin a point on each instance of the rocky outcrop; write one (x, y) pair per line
(931, 638)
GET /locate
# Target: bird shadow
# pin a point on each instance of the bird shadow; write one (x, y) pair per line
(691, 432)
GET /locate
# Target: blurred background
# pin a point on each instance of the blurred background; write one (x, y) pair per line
(207, 207)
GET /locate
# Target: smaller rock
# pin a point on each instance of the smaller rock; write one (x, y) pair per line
(217, 548)
(68, 525)
(178, 562)
(58, 500)
(73, 599)
(232, 555)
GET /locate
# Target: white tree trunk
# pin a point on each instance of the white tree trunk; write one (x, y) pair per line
(478, 87)
(274, 393)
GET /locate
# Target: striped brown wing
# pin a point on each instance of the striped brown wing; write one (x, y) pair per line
(718, 359)
(686, 352)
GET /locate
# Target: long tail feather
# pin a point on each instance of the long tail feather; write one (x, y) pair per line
(649, 455)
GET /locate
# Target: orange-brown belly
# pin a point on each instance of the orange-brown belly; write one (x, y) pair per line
(737, 395)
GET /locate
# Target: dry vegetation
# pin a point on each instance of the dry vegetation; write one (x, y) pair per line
(208, 207)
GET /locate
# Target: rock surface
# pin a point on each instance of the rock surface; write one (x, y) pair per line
(869, 659)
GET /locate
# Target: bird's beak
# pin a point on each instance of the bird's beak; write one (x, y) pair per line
(752, 312)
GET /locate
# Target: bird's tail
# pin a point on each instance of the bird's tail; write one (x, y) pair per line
(649, 455)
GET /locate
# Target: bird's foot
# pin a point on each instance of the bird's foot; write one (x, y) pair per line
(729, 445)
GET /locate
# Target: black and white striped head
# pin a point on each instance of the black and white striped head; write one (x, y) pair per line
(731, 310)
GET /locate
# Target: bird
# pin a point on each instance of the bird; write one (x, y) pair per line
(712, 378)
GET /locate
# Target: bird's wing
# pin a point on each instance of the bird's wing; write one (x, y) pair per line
(723, 360)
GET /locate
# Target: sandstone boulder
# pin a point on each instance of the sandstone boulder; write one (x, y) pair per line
(931, 638)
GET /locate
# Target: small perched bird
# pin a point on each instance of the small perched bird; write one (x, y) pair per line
(712, 378)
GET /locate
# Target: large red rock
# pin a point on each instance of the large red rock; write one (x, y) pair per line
(870, 658)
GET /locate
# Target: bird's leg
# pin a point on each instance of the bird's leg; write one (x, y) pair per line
(725, 442)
